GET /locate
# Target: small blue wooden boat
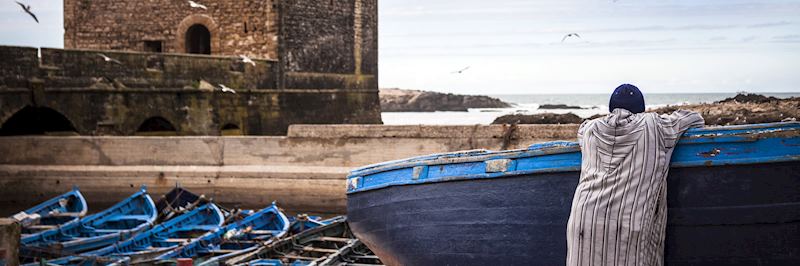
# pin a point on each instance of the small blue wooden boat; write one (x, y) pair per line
(238, 236)
(50, 214)
(178, 201)
(352, 253)
(128, 217)
(733, 198)
(151, 243)
(330, 244)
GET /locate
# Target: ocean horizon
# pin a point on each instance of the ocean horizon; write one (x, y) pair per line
(591, 104)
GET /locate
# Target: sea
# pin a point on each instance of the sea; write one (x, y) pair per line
(592, 104)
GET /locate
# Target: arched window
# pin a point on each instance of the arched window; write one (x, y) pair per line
(231, 130)
(37, 121)
(198, 40)
(156, 126)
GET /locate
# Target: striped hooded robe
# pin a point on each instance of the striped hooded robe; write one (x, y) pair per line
(619, 210)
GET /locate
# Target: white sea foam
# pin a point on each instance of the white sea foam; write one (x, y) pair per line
(529, 104)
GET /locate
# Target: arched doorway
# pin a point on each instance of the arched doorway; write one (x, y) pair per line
(156, 126)
(37, 121)
(231, 130)
(198, 40)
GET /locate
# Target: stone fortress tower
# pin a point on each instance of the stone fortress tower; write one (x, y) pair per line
(316, 62)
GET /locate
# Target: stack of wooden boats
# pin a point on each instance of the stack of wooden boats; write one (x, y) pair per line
(180, 225)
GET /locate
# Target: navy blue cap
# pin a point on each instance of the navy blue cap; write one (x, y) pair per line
(627, 97)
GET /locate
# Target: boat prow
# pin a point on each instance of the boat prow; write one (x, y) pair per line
(52, 213)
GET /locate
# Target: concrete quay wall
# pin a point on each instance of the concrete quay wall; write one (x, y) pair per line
(304, 171)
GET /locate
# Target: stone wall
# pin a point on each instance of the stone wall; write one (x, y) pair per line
(237, 27)
(325, 41)
(320, 67)
(9, 241)
(103, 98)
(304, 171)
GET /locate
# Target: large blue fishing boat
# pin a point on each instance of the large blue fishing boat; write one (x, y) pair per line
(128, 217)
(733, 198)
(52, 213)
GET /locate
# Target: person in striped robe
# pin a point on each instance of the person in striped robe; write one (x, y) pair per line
(619, 210)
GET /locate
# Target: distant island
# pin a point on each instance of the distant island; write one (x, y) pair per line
(399, 100)
(742, 109)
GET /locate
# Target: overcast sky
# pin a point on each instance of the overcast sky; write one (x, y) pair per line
(514, 46)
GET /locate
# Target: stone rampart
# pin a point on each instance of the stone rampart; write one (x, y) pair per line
(97, 97)
(304, 171)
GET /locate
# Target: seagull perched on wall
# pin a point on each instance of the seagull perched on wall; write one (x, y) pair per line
(28, 10)
(109, 59)
(570, 35)
(194, 4)
(226, 89)
(460, 71)
(247, 60)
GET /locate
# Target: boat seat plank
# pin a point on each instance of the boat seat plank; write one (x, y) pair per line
(293, 257)
(223, 251)
(321, 250)
(262, 232)
(42, 227)
(334, 239)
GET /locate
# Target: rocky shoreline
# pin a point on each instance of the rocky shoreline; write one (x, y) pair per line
(398, 100)
(739, 110)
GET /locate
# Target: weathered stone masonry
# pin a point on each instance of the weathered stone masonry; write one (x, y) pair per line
(248, 27)
(317, 64)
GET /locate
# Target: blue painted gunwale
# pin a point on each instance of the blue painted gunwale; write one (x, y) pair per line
(710, 146)
(260, 220)
(138, 210)
(204, 218)
(75, 209)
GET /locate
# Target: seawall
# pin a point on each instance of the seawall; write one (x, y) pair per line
(304, 171)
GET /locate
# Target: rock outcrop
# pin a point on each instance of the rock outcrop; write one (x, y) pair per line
(740, 110)
(397, 100)
(743, 109)
(543, 118)
(558, 106)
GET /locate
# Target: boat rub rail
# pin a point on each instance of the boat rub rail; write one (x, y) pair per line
(709, 146)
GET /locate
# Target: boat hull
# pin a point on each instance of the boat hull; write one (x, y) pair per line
(718, 215)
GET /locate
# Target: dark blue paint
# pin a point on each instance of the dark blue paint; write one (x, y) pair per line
(733, 197)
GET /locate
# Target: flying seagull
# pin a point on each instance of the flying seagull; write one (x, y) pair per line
(197, 5)
(247, 60)
(226, 89)
(28, 10)
(460, 71)
(570, 35)
(109, 59)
